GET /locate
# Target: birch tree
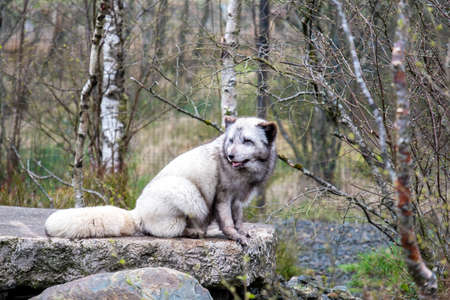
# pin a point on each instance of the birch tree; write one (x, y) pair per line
(113, 107)
(425, 279)
(230, 44)
(77, 180)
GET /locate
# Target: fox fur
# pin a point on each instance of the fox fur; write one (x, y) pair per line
(211, 182)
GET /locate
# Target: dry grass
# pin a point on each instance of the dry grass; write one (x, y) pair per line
(164, 140)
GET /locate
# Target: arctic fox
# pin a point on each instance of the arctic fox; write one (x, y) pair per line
(210, 182)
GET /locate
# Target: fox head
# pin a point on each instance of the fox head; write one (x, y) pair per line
(249, 142)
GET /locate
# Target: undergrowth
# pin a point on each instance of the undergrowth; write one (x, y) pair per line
(372, 270)
(287, 258)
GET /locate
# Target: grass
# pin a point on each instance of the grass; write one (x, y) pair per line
(382, 272)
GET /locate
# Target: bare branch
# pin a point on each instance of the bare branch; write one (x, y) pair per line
(150, 90)
(359, 78)
(53, 175)
(32, 177)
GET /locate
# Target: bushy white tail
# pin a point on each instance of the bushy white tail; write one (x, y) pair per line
(99, 221)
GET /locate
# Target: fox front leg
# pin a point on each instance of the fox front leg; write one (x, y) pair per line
(226, 222)
(238, 218)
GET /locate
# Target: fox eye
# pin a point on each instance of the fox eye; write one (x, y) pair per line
(248, 141)
(231, 140)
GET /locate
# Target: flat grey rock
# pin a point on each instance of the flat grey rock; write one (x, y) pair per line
(29, 258)
(145, 283)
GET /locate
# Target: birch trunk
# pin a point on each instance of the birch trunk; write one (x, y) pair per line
(230, 44)
(423, 277)
(365, 90)
(113, 100)
(77, 180)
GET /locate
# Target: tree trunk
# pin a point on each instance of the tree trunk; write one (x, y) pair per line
(2, 103)
(201, 29)
(2, 127)
(180, 66)
(324, 146)
(423, 277)
(160, 31)
(58, 33)
(230, 44)
(262, 45)
(95, 124)
(20, 102)
(113, 107)
(77, 180)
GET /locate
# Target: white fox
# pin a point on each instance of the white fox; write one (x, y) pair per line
(210, 182)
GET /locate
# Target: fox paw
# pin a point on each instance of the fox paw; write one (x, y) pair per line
(243, 241)
(244, 233)
(193, 233)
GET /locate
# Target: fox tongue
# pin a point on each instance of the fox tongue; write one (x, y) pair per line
(236, 164)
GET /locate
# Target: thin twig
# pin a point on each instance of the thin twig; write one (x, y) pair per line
(53, 175)
(359, 78)
(32, 177)
(160, 98)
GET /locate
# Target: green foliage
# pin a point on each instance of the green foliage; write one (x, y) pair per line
(383, 270)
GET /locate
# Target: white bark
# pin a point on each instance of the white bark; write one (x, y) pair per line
(77, 180)
(113, 90)
(230, 41)
(359, 78)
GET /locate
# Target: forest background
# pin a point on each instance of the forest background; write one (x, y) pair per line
(331, 90)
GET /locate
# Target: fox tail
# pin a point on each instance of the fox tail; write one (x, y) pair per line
(99, 221)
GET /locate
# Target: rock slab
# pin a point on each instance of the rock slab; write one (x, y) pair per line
(28, 258)
(145, 283)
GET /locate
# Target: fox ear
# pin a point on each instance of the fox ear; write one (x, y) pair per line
(229, 120)
(270, 128)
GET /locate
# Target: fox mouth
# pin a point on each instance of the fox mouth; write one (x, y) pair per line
(238, 164)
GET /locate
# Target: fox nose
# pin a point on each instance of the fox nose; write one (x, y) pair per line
(230, 156)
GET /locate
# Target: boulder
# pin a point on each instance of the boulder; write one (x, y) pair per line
(28, 258)
(145, 283)
(311, 288)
